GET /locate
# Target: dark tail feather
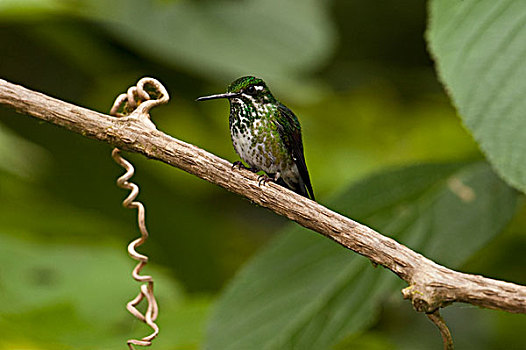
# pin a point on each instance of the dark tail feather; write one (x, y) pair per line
(306, 190)
(308, 187)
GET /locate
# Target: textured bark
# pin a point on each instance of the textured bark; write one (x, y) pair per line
(431, 286)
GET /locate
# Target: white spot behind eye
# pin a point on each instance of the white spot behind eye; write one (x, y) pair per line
(258, 87)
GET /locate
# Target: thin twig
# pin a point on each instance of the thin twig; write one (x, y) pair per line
(447, 339)
(125, 105)
(431, 285)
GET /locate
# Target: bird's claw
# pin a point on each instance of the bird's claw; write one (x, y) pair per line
(263, 179)
(238, 164)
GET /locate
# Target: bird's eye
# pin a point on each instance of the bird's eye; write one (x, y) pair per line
(251, 90)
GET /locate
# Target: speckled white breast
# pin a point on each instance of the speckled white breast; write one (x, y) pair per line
(250, 146)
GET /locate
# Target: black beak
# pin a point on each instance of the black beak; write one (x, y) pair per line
(213, 97)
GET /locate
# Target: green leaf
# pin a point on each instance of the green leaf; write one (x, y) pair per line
(66, 296)
(15, 9)
(222, 40)
(21, 157)
(479, 49)
(306, 292)
(66, 277)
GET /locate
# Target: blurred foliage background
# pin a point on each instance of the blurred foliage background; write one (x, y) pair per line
(360, 79)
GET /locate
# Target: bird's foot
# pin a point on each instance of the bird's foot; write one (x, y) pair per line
(239, 165)
(263, 179)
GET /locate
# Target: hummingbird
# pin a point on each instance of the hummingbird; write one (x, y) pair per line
(266, 135)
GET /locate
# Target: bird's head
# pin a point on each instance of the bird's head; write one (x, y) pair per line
(249, 90)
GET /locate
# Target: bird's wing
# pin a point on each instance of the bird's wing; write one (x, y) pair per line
(290, 132)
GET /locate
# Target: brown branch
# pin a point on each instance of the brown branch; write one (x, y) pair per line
(431, 286)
